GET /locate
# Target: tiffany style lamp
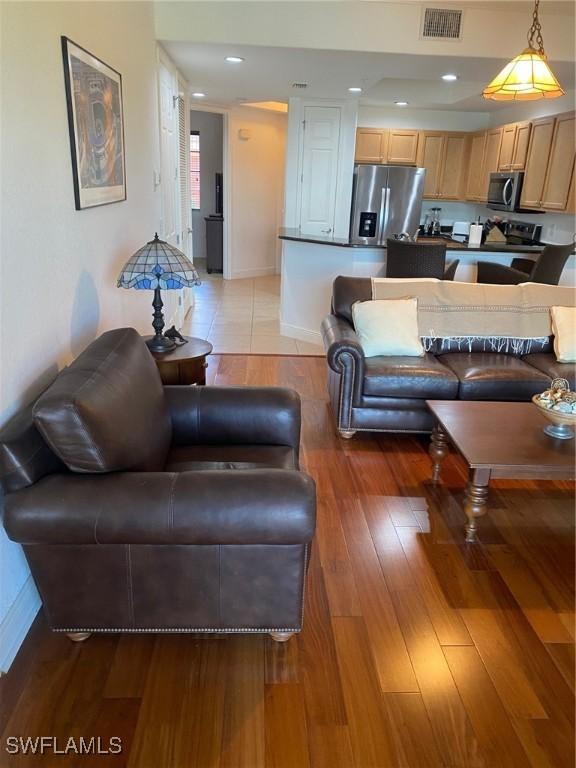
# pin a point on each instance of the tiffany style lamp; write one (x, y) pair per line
(154, 266)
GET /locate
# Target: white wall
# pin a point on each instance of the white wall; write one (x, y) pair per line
(530, 110)
(255, 191)
(422, 119)
(59, 265)
(210, 127)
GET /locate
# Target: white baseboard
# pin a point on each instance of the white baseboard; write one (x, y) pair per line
(17, 622)
(302, 334)
(258, 272)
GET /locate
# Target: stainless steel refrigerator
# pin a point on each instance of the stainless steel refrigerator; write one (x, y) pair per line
(386, 201)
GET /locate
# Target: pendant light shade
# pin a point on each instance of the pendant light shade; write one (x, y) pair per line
(528, 76)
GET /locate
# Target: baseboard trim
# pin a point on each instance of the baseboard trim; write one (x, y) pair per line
(258, 272)
(17, 622)
(302, 334)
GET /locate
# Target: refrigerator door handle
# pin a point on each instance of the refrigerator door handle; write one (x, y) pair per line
(383, 212)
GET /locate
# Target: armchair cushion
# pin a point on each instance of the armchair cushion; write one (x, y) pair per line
(268, 506)
(494, 376)
(184, 458)
(234, 416)
(106, 412)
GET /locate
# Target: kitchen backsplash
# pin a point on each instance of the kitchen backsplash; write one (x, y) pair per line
(556, 227)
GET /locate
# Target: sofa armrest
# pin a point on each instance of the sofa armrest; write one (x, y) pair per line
(263, 506)
(342, 344)
(234, 415)
(499, 274)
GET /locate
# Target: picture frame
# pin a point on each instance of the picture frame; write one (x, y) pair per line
(96, 127)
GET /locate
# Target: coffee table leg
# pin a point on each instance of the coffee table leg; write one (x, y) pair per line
(438, 450)
(475, 501)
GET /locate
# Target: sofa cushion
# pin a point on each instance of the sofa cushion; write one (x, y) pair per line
(547, 363)
(493, 376)
(409, 377)
(106, 412)
(197, 457)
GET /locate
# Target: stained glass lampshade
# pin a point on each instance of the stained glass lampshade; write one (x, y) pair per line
(526, 77)
(155, 266)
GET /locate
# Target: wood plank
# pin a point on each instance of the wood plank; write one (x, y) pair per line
(243, 736)
(452, 730)
(414, 740)
(114, 718)
(391, 659)
(127, 676)
(563, 655)
(282, 663)
(286, 736)
(372, 744)
(330, 747)
(336, 566)
(484, 707)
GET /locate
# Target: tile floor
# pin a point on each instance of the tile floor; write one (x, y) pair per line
(242, 316)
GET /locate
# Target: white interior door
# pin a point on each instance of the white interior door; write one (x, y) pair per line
(319, 174)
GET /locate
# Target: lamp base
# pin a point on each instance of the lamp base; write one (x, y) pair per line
(160, 344)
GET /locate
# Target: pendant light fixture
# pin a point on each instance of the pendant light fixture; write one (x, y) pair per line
(528, 76)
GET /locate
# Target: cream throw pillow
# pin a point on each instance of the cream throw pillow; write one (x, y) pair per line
(388, 327)
(564, 329)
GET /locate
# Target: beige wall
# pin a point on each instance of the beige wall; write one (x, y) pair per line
(256, 190)
(59, 265)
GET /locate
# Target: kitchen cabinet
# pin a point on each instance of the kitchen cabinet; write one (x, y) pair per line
(537, 162)
(402, 147)
(371, 145)
(560, 164)
(514, 146)
(491, 157)
(444, 156)
(475, 187)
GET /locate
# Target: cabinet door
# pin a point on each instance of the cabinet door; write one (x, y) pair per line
(402, 146)
(507, 147)
(537, 162)
(474, 184)
(370, 145)
(430, 151)
(521, 142)
(560, 164)
(320, 154)
(453, 168)
(491, 155)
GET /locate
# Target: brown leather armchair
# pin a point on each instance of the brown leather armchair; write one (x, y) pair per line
(144, 508)
(546, 269)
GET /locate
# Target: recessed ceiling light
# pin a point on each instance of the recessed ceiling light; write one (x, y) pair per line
(449, 78)
(401, 103)
(355, 89)
(234, 59)
(198, 95)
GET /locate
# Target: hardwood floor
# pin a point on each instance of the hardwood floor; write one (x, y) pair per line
(417, 650)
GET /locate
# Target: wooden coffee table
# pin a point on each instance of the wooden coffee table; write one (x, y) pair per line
(501, 440)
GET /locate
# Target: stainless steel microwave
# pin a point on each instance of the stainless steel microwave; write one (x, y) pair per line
(504, 190)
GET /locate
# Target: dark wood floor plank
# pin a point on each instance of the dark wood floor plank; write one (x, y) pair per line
(286, 734)
(127, 676)
(282, 662)
(414, 741)
(563, 655)
(485, 710)
(372, 743)
(391, 657)
(452, 730)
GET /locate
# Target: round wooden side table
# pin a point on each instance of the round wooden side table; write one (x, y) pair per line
(186, 364)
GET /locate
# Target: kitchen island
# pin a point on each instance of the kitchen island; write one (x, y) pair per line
(310, 263)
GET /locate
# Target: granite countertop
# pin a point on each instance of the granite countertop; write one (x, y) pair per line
(294, 234)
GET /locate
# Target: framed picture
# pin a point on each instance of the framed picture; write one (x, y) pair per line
(96, 125)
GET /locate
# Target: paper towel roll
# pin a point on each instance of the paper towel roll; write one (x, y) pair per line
(475, 236)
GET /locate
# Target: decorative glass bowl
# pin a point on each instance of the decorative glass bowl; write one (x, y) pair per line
(558, 405)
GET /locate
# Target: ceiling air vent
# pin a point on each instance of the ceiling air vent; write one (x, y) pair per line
(441, 24)
(299, 85)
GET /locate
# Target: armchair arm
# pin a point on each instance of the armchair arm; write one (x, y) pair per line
(264, 506)
(344, 354)
(234, 415)
(489, 272)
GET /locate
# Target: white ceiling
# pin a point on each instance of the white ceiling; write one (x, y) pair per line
(267, 74)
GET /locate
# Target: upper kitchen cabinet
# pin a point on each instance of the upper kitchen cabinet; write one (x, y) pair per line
(475, 186)
(514, 146)
(402, 147)
(537, 162)
(444, 155)
(491, 156)
(560, 165)
(371, 145)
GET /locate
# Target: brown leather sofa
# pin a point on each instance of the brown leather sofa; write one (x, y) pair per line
(144, 508)
(388, 394)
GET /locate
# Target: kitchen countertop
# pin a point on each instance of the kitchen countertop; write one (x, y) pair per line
(294, 234)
